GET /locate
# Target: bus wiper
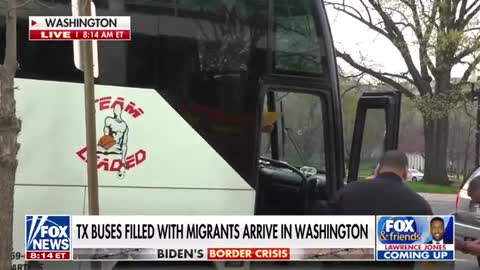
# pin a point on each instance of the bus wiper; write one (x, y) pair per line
(279, 99)
(287, 131)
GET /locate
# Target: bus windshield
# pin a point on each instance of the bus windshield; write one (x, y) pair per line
(300, 130)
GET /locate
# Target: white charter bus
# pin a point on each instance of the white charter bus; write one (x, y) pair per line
(184, 101)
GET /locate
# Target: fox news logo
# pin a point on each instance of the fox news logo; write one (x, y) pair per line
(47, 233)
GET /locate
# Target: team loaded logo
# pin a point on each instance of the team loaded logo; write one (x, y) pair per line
(47, 237)
(415, 238)
(113, 151)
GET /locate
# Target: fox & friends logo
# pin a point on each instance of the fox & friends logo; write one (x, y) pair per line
(47, 237)
(415, 238)
(114, 151)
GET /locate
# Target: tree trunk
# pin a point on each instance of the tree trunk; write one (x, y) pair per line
(9, 129)
(8, 165)
(436, 141)
(457, 166)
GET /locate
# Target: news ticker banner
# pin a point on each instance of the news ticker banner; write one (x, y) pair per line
(69, 28)
(239, 238)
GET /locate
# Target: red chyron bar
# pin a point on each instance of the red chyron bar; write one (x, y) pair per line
(48, 255)
(245, 254)
(79, 28)
(79, 34)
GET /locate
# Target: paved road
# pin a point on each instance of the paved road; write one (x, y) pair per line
(444, 204)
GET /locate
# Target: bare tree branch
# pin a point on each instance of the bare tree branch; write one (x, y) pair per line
(463, 9)
(357, 85)
(377, 75)
(358, 16)
(471, 11)
(471, 29)
(406, 22)
(470, 69)
(423, 39)
(398, 39)
(366, 9)
(467, 51)
(392, 33)
(351, 76)
(431, 21)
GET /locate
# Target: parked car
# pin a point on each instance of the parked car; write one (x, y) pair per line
(414, 175)
(467, 216)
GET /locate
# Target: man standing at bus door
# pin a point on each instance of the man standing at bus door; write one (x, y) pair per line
(386, 194)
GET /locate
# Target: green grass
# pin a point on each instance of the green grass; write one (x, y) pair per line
(366, 168)
(428, 188)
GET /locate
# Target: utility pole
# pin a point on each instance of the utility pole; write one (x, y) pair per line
(477, 132)
(90, 122)
(475, 96)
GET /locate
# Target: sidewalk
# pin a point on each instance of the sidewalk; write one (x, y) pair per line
(439, 197)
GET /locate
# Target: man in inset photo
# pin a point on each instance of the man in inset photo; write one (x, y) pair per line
(437, 229)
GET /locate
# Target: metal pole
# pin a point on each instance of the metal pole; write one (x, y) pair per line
(90, 123)
(477, 133)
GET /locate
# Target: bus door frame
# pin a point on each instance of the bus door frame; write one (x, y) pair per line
(390, 102)
(314, 87)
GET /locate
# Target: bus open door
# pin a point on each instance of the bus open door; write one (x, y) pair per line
(387, 104)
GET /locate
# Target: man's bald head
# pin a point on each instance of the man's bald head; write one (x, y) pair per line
(396, 162)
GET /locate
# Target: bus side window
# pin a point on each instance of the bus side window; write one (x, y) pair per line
(298, 40)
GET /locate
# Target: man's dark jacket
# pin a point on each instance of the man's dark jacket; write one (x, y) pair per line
(384, 195)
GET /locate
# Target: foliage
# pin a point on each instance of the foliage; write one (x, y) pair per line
(435, 107)
(444, 33)
(432, 37)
